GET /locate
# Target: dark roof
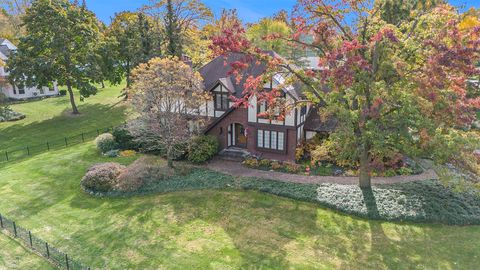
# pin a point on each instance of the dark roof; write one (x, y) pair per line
(217, 71)
(315, 123)
(5, 50)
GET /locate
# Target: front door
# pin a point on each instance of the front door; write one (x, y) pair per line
(240, 136)
(237, 136)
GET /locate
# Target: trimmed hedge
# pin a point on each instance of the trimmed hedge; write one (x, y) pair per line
(423, 201)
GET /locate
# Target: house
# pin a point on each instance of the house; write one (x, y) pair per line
(19, 91)
(239, 128)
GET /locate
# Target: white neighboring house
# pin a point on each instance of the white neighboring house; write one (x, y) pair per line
(19, 92)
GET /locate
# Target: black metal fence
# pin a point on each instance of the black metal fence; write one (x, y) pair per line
(39, 246)
(15, 154)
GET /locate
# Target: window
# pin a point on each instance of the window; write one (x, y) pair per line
(21, 90)
(268, 139)
(221, 101)
(303, 113)
(14, 90)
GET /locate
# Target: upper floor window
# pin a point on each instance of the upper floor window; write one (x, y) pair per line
(221, 101)
(303, 114)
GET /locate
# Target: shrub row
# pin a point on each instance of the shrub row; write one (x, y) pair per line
(199, 150)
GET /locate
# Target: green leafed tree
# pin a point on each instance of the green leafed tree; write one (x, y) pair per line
(136, 40)
(61, 38)
(177, 17)
(268, 33)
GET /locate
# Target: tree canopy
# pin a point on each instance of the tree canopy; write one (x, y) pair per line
(59, 47)
(394, 90)
(166, 93)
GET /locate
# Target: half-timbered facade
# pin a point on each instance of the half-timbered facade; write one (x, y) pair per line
(245, 128)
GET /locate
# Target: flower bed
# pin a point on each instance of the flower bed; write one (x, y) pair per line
(7, 115)
(322, 169)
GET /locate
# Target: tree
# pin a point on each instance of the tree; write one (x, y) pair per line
(396, 11)
(124, 29)
(167, 94)
(61, 38)
(178, 16)
(11, 15)
(393, 89)
(268, 33)
(136, 39)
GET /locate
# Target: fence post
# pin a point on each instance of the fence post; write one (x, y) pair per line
(28, 151)
(66, 142)
(83, 138)
(66, 260)
(30, 238)
(6, 155)
(48, 251)
(48, 146)
(1, 221)
(14, 229)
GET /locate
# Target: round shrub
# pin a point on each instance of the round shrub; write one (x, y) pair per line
(102, 177)
(202, 149)
(124, 139)
(105, 142)
(144, 171)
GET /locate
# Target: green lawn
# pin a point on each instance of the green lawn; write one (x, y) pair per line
(213, 229)
(51, 119)
(14, 256)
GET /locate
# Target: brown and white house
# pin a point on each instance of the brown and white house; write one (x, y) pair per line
(241, 129)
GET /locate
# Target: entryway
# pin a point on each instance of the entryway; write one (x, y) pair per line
(237, 136)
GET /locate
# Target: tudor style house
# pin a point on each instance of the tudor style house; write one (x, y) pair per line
(19, 91)
(242, 128)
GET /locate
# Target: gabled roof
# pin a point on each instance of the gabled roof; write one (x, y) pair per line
(217, 71)
(5, 50)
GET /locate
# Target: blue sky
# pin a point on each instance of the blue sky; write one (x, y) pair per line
(249, 10)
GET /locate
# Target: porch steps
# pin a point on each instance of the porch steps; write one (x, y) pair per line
(233, 154)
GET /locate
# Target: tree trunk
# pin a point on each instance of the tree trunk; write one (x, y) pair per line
(128, 75)
(103, 84)
(72, 98)
(169, 157)
(365, 178)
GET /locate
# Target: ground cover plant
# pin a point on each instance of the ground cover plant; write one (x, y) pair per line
(50, 118)
(421, 201)
(212, 228)
(15, 257)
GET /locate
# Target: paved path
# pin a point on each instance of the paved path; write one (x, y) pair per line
(237, 169)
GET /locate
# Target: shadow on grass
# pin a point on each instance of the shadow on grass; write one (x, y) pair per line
(93, 116)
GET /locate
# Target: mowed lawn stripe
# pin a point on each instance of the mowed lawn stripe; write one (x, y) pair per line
(51, 119)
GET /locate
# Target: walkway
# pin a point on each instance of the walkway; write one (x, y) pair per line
(237, 169)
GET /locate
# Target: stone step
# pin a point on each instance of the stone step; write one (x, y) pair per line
(233, 154)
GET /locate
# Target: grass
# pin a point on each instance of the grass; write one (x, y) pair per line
(222, 229)
(51, 119)
(15, 256)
